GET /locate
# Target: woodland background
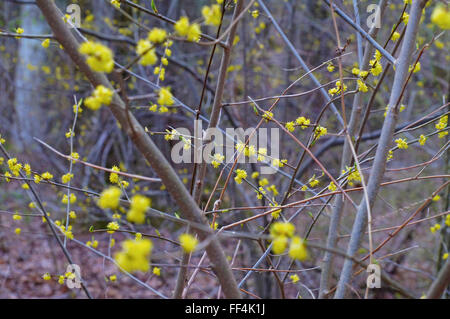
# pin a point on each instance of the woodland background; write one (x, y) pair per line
(37, 90)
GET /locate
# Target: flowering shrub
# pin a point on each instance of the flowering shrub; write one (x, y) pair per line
(94, 118)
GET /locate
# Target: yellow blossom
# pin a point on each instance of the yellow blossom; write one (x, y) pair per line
(157, 35)
(290, 126)
(134, 255)
(330, 67)
(157, 271)
(45, 44)
(115, 3)
(109, 198)
(240, 174)
(294, 278)
(441, 17)
(279, 244)
(114, 177)
(66, 178)
(112, 227)
(212, 14)
(320, 131)
(422, 139)
(188, 242)
(218, 159)
(401, 143)
(303, 122)
(297, 249)
(185, 29)
(72, 199)
(100, 58)
(144, 48)
(332, 187)
(101, 96)
(165, 97)
(282, 229)
(138, 207)
(47, 176)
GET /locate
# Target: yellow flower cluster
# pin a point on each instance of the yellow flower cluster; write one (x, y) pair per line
(375, 64)
(313, 181)
(102, 95)
(115, 3)
(218, 159)
(145, 48)
(161, 72)
(442, 125)
(361, 74)
(362, 86)
(281, 232)
(422, 139)
(390, 155)
(240, 174)
(332, 187)
(112, 227)
(402, 143)
(297, 249)
(109, 198)
(189, 30)
(134, 255)
(93, 243)
(212, 14)
(46, 43)
(302, 122)
(66, 178)
(157, 35)
(188, 242)
(139, 205)
(353, 175)
(435, 228)
(441, 17)
(276, 213)
(320, 131)
(395, 36)
(165, 97)
(337, 89)
(295, 278)
(47, 176)
(416, 68)
(405, 18)
(247, 150)
(100, 58)
(170, 135)
(157, 271)
(330, 67)
(262, 152)
(14, 166)
(72, 199)
(67, 232)
(267, 116)
(114, 177)
(279, 163)
(290, 126)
